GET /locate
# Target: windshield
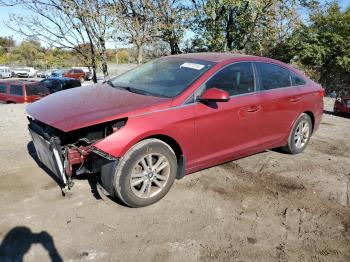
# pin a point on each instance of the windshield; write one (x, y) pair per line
(166, 77)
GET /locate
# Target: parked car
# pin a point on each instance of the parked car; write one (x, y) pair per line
(25, 72)
(44, 74)
(171, 117)
(342, 105)
(87, 71)
(14, 91)
(76, 74)
(58, 73)
(59, 84)
(5, 72)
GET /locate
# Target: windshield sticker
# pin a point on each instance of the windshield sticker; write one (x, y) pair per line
(192, 66)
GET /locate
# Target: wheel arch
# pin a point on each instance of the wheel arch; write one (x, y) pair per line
(312, 116)
(168, 140)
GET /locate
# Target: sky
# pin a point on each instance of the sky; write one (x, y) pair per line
(6, 11)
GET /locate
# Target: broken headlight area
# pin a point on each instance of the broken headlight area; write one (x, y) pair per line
(72, 153)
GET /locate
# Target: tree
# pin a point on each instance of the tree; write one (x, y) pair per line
(137, 22)
(323, 46)
(251, 26)
(171, 19)
(68, 24)
(6, 43)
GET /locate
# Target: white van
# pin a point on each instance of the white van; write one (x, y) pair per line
(5, 72)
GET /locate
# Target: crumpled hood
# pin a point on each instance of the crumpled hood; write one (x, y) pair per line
(89, 105)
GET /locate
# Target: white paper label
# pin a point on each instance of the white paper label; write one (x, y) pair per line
(192, 66)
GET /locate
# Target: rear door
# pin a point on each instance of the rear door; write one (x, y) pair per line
(224, 130)
(281, 102)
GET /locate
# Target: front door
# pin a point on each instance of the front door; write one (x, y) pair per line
(225, 130)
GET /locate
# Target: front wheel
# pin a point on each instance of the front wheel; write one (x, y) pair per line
(145, 173)
(300, 135)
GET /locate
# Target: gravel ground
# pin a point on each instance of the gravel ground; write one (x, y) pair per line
(267, 207)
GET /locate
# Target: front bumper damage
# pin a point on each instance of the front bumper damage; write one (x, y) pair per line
(65, 161)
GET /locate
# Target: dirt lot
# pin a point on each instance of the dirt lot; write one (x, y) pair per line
(267, 207)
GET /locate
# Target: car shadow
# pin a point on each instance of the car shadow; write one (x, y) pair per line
(95, 183)
(19, 240)
(92, 179)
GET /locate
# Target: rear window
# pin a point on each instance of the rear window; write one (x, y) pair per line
(36, 89)
(347, 102)
(2, 88)
(297, 80)
(273, 76)
(16, 90)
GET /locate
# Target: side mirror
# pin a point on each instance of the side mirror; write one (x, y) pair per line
(214, 95)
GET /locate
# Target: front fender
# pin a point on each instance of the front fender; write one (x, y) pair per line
(176, 123)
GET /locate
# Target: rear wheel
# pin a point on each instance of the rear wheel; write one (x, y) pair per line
(81, 79)
(300, 135)
(145, 173)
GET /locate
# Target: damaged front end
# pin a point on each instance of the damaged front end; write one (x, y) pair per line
(73, 153)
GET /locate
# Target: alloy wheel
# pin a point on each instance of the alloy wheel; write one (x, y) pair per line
(150, 175)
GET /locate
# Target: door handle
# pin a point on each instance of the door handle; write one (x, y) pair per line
(294, 99)
(252, 109)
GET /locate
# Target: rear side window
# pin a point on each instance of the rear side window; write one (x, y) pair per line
(36, 89)
(236, 79)
(16, 90)
(273, 76)
(297, 80)
(71, 84)
(52, 84)
(2, 88)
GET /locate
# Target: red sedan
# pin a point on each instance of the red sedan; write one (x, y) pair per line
(171, 117)
(342, 105)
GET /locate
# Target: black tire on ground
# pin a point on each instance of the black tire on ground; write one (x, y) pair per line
(82, 79)
(292, 146)
(122, 178)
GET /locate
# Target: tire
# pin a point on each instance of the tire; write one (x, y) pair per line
(299, 136)
(81, 79)
(134, 182)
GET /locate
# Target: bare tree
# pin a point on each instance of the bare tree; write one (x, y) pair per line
(137, 23)
(67, 24)
(171, 19)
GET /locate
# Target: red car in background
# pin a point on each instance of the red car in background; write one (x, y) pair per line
(76, 74)
(171, 117)
(342, 105)
(21, 91)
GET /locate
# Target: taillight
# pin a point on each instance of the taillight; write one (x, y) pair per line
(321, 92)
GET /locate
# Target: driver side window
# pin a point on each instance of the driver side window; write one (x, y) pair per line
(236, 79)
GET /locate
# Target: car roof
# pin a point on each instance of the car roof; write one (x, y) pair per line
(211, 56)
(62, 78)
(19, 82)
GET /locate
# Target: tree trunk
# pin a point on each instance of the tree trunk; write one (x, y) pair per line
(139, 53)
(104, 59)
(174, 47)
(93, 59)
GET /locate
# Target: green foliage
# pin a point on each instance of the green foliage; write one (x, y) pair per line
(323, 46)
